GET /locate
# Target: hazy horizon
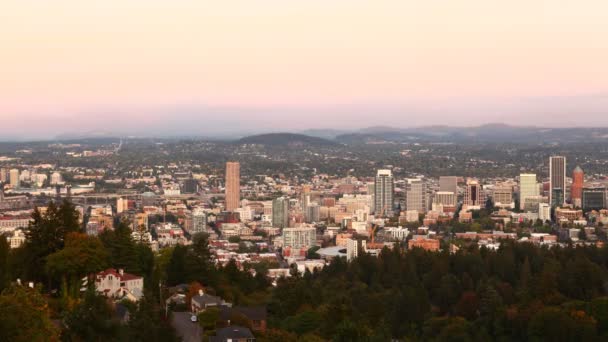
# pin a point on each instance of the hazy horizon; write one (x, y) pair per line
(165, 68)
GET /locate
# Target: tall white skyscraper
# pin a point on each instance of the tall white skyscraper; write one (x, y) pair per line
(384, 187)
(557, 181)
(528, 187)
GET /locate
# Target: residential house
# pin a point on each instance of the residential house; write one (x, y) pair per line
(203, 301)
(118, 284)
(233, 333)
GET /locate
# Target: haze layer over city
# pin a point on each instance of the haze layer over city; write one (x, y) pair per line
(304, 171)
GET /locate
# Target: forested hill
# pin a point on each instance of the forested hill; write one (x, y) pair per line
(286, 139)
(518, 293)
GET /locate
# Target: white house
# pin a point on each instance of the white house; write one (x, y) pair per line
(118, 284)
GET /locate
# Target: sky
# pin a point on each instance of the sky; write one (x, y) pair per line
(160, 67)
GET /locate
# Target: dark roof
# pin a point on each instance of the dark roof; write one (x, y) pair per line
(206, 299)
(253, 313)
(231, 332)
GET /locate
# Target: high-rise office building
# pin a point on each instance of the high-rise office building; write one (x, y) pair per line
(189, 186)
(233, 185)
(557, 181)
(14, 178)
(280, 212)
(384, 187)
(528, 187)
(3, 175)
(502, 194)
(474, 195)
(576, 190)
(415, 195)
(593, 198)
(448, 183)
(313, 213)
(445, 198)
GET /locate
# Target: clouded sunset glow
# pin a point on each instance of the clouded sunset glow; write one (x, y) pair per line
(478, 58)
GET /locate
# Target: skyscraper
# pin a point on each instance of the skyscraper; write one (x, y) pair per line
(384, 187)
(557, 181)
(14, 178)
(448, 183)
(3, 175)
(528, 187)
(445, 198)
(280, 212)
(502, 194)
(576, 191)
(473, 195)
(233, 185)
(313, 213)
(415, 195)
(593, 198)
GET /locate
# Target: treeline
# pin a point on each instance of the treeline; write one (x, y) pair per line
(519, 292)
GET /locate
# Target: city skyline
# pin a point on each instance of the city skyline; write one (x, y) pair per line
(364, 63)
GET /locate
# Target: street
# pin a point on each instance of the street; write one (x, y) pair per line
(186, 329)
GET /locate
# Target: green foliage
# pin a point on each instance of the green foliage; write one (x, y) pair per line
(46, 235)
(91, 320)
(208, 318)
(24, 316)
(146, 324)
(81, 256)
(5, 274)
(472, 295)
(234, 239)
(554, 324)
(121, 248)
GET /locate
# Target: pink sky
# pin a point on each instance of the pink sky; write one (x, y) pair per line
(63, 58)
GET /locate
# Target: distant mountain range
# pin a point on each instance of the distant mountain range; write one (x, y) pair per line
(497, 133)
(286, 139)
(500, 133)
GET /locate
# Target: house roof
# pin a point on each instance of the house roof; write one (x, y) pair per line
(115, 273)
(206, 299)
(231, 332)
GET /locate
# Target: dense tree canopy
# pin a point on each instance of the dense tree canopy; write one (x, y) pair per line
(476, 294)
(24, 316)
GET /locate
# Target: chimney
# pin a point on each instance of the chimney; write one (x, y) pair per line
(121, 271)
(200, 292)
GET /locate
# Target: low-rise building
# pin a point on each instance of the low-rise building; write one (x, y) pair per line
(118, 284)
